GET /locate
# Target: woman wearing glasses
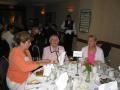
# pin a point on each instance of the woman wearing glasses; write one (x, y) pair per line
(53, 51)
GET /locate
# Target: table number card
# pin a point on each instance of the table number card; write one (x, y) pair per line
(77, 54)
(119, 67)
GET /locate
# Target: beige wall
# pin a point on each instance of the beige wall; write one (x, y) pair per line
(106, 20)
(105, 24)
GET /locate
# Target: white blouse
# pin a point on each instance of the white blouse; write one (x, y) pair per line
(99, 56)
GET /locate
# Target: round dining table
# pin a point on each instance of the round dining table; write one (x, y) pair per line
(77, 77)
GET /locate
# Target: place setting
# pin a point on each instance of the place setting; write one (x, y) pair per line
(73, 76)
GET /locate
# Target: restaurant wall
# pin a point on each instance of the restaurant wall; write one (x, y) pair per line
(106, 20)
(84, 4)
(105, 24)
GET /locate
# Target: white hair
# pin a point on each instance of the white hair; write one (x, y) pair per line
(52, 37)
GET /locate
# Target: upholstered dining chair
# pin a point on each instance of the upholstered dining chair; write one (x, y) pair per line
(106, 47)
(3, 71)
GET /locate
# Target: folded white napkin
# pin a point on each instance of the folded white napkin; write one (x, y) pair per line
(61, 58)
(69, 32)
(109, 86)
(61, 82)
(47, 69)
(119, 67)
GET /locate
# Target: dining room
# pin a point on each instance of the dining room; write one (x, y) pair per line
(59, 45)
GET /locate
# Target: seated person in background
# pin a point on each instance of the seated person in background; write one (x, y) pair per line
(92, 52)
(8, 36)
(38, 43)
(53, 51)
(20, 62)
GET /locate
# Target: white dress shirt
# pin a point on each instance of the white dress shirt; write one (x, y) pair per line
(68, 31)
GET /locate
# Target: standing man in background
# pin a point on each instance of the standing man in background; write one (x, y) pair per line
(69, 29)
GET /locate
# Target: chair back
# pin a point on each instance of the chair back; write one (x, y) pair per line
(3, 72)
(3, 66)
(106, 47)
(36, 52)
(4, 48)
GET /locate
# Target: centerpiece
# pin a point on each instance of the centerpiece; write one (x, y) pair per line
(88, 69)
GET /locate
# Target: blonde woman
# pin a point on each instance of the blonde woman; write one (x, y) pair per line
(92, 52)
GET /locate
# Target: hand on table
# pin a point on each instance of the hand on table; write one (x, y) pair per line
(42, 62)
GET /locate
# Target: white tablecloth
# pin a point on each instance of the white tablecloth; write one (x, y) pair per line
(46, 83)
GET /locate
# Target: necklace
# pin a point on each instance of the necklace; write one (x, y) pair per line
(56, 52)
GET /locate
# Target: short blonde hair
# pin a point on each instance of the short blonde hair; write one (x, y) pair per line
(92, 36)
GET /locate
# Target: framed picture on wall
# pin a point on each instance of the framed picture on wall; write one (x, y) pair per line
(85, 18)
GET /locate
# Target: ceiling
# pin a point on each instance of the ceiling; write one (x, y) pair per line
(26, 2)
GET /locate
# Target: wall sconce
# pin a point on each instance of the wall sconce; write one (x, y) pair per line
(12, 19)
(42, 11)
(71, 8)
